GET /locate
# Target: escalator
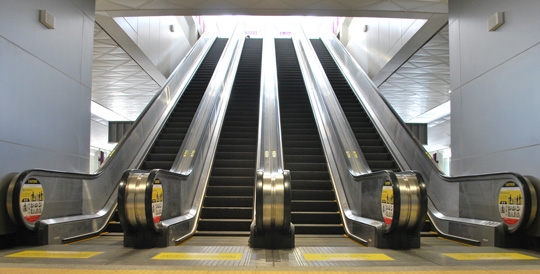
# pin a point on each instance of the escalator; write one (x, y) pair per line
(228, 203)
(166, 146)
(375, 151)
(314, 206)
(453, 205)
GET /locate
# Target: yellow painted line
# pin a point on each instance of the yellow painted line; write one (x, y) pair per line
(54, 254)
(185, 241)
(363, 245)
(346, 257)
(488, 256)
(83, 240)
(456, 241)
(199, 256)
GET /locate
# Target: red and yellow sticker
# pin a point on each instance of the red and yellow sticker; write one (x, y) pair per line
(510, 203)
(32, 200)
(157, 201)
(387, 202)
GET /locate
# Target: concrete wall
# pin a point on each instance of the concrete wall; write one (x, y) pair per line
(383, 39)
(153, 36)
(495, 87)
(45, 81)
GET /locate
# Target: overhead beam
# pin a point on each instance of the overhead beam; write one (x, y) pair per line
(433, 25)
(266, 12)
(119, 35)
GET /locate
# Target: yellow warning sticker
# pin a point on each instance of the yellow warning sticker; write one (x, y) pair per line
(387, 202)
(32, 200)
(346, 257)
(510, 203)
(488, 256)
(199, 256)
(348, 154)
(266, 153)
(157, 201)
(54, 254)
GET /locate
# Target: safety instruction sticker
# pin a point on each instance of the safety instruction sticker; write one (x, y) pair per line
(32, 200)
(346, 257)
(387, 202)
(488, 256)
(199, 256)
(510, 203)
(157, 201)
(54, 254)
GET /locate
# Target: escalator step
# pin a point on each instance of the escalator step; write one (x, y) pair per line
(234, 163)
(162, 157)
(229, 191)
(232, 181)
(224, 224)
(227, 213)
(148, 165)
(314, 205)
(318, 228)
(311, 194)
(228, 201)
(233, 172)
(312, 184)
(308, 217)
(310, 175)
(307, 166)
(222, 233)
(236, 148)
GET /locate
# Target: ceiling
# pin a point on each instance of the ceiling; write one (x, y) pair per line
(416, 90)
(353, 8)
(423, 82)
(118, 83)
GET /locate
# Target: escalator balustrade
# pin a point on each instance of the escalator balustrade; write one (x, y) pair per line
(166, 146)
(374, 149)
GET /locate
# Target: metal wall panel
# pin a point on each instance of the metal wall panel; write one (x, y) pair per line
(482, 50)
(45, 79)
(495, 88)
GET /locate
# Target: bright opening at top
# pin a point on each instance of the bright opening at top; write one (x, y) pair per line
(282, 26)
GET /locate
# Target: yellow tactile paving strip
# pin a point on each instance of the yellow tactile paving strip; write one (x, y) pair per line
(94, 271)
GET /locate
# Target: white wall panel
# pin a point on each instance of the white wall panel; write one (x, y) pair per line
(501, 106)
(481, 50)
(153, 36)
(45, 79)
(61, 47)
(87, 52)
(384, 38)
(495, 82)
(455, 56)
(41, 104)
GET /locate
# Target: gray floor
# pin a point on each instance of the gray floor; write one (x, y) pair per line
(232, 253)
